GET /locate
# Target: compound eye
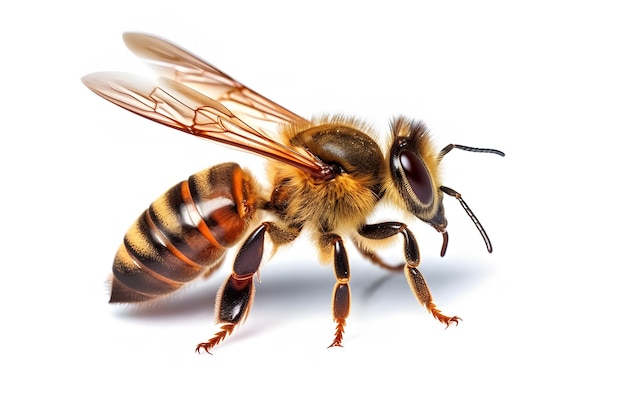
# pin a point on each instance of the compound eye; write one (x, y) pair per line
(418, 176)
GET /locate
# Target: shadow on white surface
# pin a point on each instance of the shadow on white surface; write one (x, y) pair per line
(311, 290)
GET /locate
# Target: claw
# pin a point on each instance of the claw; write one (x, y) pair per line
(454, 320)
(204, 346)
(225, 330)
(447, 320)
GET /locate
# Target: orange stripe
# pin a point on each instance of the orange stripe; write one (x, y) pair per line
(153, 274)
(165, 241)
(195, 216)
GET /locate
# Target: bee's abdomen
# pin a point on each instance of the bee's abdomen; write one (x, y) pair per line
(183, 234)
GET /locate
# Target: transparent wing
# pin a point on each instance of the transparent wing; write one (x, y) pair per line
(178, 64)
(176, 105)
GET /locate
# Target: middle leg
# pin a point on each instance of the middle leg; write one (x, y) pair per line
(341, 292)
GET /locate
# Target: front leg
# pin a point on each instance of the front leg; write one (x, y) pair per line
(375, 259)
(412, 256)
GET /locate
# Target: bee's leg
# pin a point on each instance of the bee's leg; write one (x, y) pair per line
(235, 297)
(237, 293)
(341, 291)
(377, 260)
(411, 253)
(233, 305)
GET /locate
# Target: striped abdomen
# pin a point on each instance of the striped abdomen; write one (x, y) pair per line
(184, 233)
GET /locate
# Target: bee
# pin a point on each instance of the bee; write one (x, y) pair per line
(327, 177)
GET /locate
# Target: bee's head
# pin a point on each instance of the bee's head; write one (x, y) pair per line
(414, 171)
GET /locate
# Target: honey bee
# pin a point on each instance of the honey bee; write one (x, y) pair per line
(327, 176)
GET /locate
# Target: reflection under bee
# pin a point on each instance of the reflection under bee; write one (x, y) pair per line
(327, 176)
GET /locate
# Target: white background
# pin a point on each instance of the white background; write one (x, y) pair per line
(543, 331)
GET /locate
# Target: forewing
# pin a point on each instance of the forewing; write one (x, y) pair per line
(178, 64)
(176, 105)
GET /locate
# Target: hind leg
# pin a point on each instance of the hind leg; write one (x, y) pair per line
(236, 295)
